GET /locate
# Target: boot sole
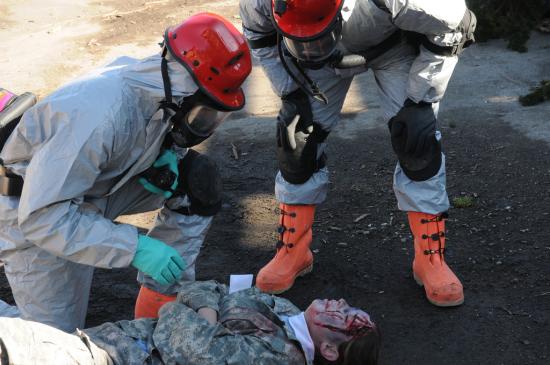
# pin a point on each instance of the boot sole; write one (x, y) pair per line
(439, 304)
(304, 272)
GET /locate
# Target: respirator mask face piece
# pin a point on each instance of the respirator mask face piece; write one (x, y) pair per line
(194, 122)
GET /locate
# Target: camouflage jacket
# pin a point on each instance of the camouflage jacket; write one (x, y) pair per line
(249, 331)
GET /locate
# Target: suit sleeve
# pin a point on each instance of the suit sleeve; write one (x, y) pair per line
(199, 294)
(255, 15)
(183, 337)
(53, 213)
(439, 22)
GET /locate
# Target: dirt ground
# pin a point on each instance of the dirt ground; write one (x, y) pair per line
(499, 246)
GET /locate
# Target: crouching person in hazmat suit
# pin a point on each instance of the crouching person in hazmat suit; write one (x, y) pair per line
(117, 142)
(310, 50)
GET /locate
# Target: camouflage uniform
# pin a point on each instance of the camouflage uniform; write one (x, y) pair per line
(249, 331)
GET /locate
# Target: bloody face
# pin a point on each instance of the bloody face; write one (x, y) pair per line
(336, 320)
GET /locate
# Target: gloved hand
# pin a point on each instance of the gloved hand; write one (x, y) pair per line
(295, 117)
(155, 176)
(413, 129)
(158, 260)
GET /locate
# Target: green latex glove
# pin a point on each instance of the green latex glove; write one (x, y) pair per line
(158, 260)
(170, 159)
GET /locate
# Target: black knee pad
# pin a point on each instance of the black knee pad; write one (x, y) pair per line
(299, 164)
(423, 167)
(200, 180)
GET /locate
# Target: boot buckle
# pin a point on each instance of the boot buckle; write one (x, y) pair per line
(431, 252)
(437, 218)
(280, 244)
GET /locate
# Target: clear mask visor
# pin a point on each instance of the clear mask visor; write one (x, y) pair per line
(203, 120)
(315, 50)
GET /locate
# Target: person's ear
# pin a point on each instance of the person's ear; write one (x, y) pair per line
(329, 351)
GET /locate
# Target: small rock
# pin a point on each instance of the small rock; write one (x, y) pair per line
(93, 42)
(525, 342)
(315, 251)
(343, 244)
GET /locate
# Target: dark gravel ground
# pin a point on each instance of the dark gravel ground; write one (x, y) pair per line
(499, 247)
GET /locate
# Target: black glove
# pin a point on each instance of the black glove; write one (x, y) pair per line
(413, 129)
(289, 127)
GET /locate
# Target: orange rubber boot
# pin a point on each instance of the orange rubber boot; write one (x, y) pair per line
(293, 257)
(148, 303)
(443, 288)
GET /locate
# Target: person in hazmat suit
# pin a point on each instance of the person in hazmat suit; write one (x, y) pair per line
(310, 50)
(117, 142)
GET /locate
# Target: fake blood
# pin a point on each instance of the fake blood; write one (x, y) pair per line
(357, 327)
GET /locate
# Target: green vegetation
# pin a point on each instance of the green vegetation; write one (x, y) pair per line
(463, 201)
(537, 95)
(512, 20)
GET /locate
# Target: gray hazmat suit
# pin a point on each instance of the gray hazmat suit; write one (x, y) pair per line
(401, 72)
(80, 151)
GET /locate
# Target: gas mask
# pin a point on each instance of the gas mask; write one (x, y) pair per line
(195, 118)
(319, 51)
(311, 53)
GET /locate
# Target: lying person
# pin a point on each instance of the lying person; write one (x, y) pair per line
(206, 325)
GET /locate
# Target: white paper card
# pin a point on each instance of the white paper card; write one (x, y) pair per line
(240, 282)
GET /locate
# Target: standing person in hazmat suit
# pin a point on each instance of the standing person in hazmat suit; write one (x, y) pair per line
(310, 50)
(116, 142)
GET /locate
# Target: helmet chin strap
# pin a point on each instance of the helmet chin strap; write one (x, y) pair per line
(313, 90)
(168, 101)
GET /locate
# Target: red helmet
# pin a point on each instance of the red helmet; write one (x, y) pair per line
(305, 19)
(215, 53)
